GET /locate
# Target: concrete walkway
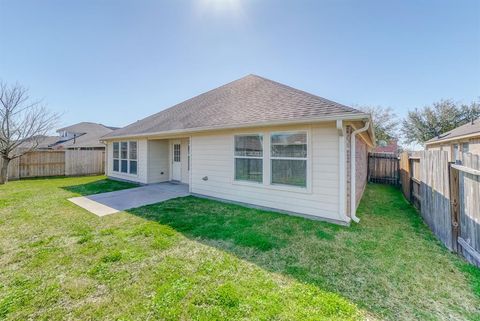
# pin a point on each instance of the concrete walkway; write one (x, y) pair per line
(113, 202)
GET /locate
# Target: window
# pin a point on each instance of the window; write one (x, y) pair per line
(465, 148)
(116, 154)
(455, 153)
(249, 158)
(132, 155)
(125, 157)
(289, 159)
(176, 152)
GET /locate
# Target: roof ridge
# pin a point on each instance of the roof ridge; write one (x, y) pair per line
(247, 99)
(188, 99)
(307, 93)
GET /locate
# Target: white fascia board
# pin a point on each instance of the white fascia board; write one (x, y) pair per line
(249, 125)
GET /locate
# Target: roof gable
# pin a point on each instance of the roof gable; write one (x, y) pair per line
(85, 127)
(249, 100)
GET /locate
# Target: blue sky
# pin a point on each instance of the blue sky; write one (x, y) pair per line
(115, 62)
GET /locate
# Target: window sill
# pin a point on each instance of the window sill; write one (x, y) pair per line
(124, 174)
(286, 188)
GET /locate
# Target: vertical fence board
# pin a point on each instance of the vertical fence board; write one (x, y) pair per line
(469, 199)
(455, 206)
(42, 163)
(57, 163)
(435, 205)
(13, 169)
(448, 197)
(405, 175)
(383, 168)
(84, 162)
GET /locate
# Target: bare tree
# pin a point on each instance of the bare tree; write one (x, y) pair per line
(23, 124)
(385, 122)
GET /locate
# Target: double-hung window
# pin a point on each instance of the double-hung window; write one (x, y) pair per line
(132, 157)
(249, 158)
(455, 153)
(116, 156)
(125, 157)
(289, 158)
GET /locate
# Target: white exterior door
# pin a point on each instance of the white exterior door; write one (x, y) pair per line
(176, 161)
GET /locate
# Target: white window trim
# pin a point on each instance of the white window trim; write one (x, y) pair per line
(267, 163)
(179, 153)
(115, 158)
(119, 172)
(246, 182)
(307, 169)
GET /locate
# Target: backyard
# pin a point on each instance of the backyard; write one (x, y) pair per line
(197, 259)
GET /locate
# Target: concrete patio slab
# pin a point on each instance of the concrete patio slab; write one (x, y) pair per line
(113, 202)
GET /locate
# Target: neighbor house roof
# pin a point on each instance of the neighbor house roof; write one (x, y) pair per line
(246, 101)
(85, 127)
(41, 142)
(87, 135)
(383, 147)
(467, 130)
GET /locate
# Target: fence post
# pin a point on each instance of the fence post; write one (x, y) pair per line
(410, 181)
(455, 204)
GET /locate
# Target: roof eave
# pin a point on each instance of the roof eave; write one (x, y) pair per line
(358, 116)
(452, 138)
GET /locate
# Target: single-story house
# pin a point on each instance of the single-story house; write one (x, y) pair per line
(463, 139)
(253, 141)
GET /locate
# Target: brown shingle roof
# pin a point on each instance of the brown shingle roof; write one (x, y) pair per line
(467, 129)
(249, 100)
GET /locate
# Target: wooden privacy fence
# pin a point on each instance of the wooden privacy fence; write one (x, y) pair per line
(466, 207)
(57, 163)
(448, 197)
(383, 168)
(42, 163)
(84, 162)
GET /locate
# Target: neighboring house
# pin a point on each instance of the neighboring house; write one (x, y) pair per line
(81, 136)
(40, 142)
(253, 141)
(463, 139)
(384, 147)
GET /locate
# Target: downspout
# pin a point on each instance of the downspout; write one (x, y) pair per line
(341, 173)
(353, 191)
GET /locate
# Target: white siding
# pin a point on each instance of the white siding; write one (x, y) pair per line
(474, 147)
(158, 161)
(142, 159)
(212, 157)
(184, 178)
(184, 159)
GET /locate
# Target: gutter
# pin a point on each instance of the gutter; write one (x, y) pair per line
(353, 191)
(310, 120)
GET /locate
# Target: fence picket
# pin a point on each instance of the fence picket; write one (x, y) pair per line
(448, 197)
(383, 168)
(57, 163)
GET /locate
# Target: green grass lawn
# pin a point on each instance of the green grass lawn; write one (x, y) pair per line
(197, 259)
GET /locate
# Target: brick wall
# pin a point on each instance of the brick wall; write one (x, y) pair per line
(361, 151)
(348, 135)
(361, 164)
